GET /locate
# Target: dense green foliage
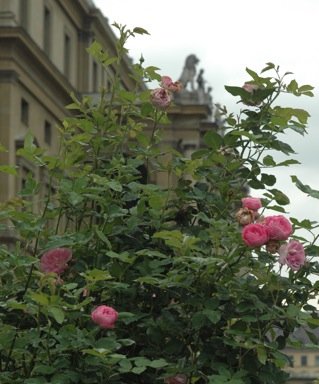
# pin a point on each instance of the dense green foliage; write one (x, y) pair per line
(192, 298)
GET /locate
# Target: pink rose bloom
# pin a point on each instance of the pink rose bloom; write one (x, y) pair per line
(255, 235)
(292, 254)
(253, 203)
(167, 83)
(177, 379)
(104, 316)
(161, 98)
(249, 87)
(55, 260)
(278, 227)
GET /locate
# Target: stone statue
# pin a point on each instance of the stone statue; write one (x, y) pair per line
(189, 71)
(200, 80)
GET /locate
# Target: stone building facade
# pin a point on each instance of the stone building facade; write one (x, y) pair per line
(43, 59)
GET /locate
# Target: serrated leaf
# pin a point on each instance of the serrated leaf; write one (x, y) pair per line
(57, 313)
(305, 188)
(269, 161)
(140, 31)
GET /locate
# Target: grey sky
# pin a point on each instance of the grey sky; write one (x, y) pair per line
(228, 36)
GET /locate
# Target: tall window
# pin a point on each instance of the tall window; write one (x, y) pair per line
(317, 360)
(47, 31)
(291, 361)
(47, 133)
(67, 55)
(24, 112)
(304, 361)
(95, 77)
(24, 13)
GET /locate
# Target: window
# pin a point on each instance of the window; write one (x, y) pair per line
(24, 113)
(24, 15)
(47, 133)
(47, 31)
(95, 77)
(317, 360)
(67, 55)
(291, 361)
(304, 361)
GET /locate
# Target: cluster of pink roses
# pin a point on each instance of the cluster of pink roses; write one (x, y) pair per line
(56, 261)
(271, 231)
(162, 97)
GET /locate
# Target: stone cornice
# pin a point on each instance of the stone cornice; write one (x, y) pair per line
(28, 59)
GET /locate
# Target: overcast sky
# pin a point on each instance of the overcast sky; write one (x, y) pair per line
(228, 36)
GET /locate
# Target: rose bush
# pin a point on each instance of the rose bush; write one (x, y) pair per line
(196, 296)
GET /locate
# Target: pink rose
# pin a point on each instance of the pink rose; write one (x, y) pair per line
(253, 203)
(249, 87)
(167, 83)
(278, 227)
(255, 235)
(55, 260)
(177, 379)
(292, 254)
(104, 316)
(161, 98)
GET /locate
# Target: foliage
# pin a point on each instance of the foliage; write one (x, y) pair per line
(191, 297)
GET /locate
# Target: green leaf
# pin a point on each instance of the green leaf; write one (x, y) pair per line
(138, 370)
(11, 170)
(39, 298)
(115, 185)
(269, 180)
(268, 67)
(236, 91)
(140, 31)
(57, 313)
(280, 197)
(261, 354)
(159, 363)
(213, 316)
(94, 275)
(269, 161)
(305, 188)
(213, 139)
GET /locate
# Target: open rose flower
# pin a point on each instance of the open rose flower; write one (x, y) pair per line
(55, 260)
(170, 85)
(292, 254)
(278, 227)
(255, 235)
(161, 98)
(104, 316)
(253, 203)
